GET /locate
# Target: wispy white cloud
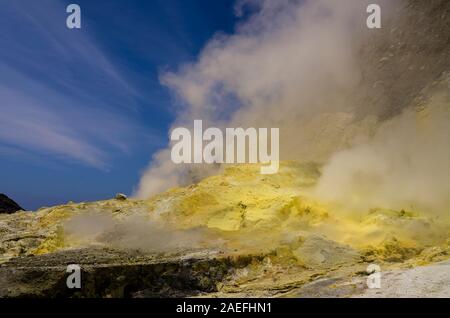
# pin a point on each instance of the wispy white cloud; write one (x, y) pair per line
(60, 95)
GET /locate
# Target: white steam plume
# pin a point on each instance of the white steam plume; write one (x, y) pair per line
(291, 65)
(405, 166)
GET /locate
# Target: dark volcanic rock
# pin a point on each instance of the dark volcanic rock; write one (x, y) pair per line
(115, 273)
(7, 205)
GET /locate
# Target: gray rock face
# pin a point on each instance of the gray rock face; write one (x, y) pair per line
(7, 205)
(408, 54)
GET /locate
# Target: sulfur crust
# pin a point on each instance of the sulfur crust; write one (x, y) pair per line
(253, 212)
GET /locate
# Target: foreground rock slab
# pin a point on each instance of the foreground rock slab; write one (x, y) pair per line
(420, 282)
(114, 273)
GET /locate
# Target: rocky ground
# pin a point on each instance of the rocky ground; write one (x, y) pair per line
(420, 282)
(222, 237)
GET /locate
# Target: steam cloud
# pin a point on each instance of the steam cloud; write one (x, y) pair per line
(286, 66)
(295, 65)
(405, 166)
(135, 232)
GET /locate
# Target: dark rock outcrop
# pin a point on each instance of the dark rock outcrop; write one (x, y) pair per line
(7, 205)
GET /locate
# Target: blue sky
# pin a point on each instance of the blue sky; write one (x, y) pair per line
(82, 111)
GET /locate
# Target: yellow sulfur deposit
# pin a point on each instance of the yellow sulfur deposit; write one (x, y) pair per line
(239, 210)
